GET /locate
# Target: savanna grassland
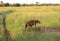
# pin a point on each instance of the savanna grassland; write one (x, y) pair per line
(15, 22)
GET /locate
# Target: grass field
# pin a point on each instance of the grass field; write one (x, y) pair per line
(15, 22)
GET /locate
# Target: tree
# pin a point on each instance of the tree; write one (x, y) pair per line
(7, 4)
(1, 3)
(17, 4)
(37, 3)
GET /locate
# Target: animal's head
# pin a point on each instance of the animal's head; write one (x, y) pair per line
(38, 21)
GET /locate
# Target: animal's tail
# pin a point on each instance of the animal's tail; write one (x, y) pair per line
(25, 26)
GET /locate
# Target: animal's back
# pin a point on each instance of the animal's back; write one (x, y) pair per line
(31, 22)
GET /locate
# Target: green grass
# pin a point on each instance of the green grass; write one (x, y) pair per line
(37, 36)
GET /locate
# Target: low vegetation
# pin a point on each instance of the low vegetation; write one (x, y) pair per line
(15, 22)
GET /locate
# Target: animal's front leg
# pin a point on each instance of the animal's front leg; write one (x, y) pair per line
(35, 25)
(25, 26)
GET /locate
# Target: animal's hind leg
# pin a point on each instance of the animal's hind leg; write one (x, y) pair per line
(35, 29)
(30, 27)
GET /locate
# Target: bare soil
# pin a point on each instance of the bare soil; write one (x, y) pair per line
(50, 29)
(43, 29)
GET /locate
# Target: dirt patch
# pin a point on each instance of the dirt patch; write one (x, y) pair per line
(51, 29)
(43, 29)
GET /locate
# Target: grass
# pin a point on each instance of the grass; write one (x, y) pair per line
(15, 22)
(37, 36)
